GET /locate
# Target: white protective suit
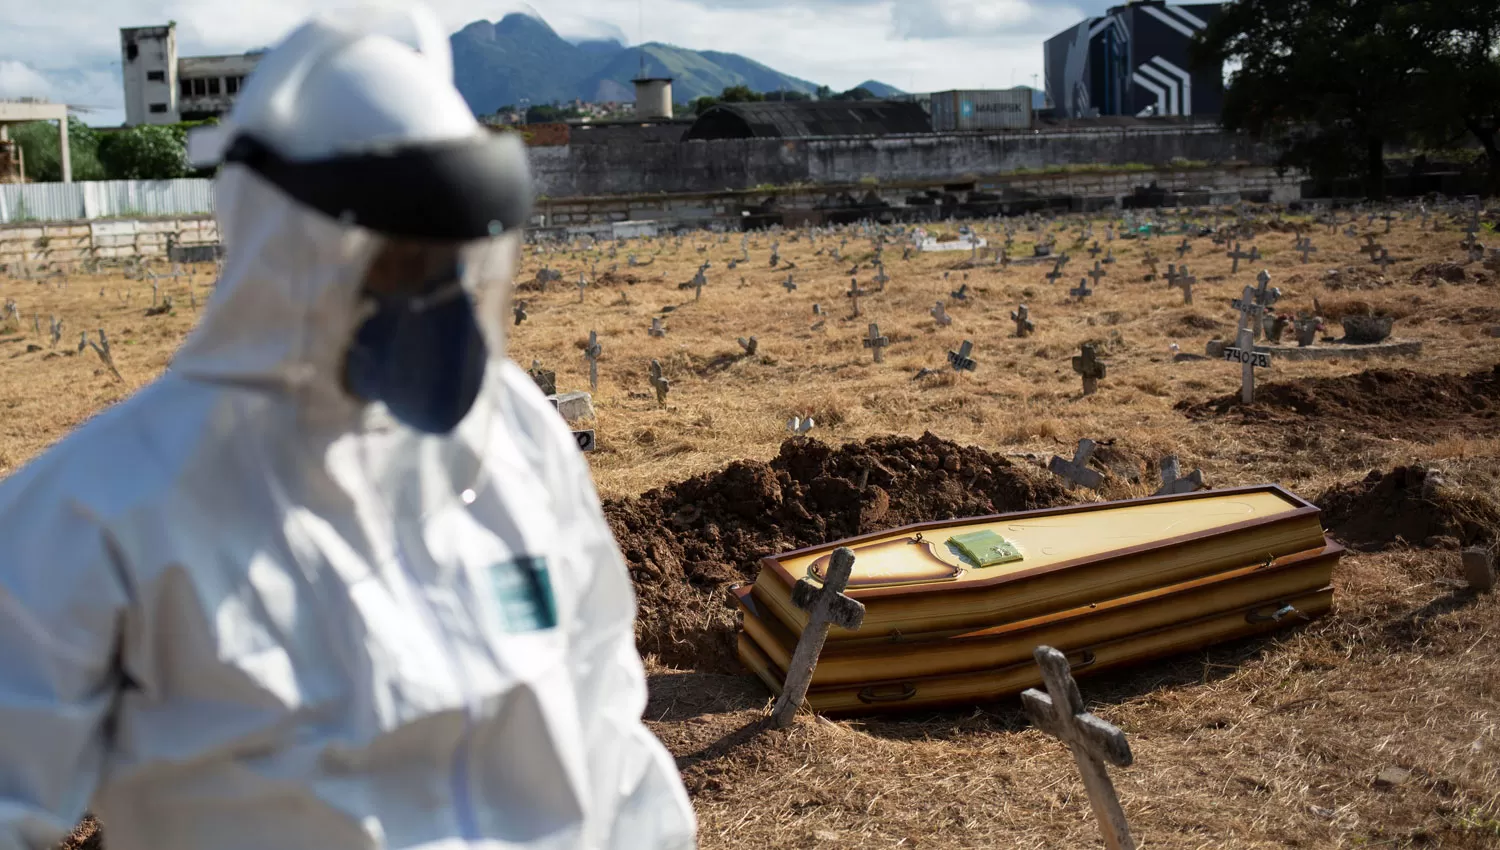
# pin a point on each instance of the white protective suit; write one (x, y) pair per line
(240, 611)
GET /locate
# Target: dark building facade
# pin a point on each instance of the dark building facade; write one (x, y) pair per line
(1133, 60)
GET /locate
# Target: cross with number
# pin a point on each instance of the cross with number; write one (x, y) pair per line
(1094, 743)
(827, 606)
(960, 360)
(1244, 348)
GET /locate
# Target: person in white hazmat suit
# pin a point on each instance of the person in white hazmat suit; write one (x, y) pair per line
(339, 579)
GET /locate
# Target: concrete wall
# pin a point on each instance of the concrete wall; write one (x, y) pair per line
(36, 247)
(575, 171)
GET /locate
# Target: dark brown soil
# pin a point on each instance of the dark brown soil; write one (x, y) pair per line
(1380, 402)
(687, 543)
(1410, 505)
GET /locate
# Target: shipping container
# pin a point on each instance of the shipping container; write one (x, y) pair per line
(981, 110)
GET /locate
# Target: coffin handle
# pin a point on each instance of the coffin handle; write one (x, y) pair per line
(1086, 657)
(1273, 613)
(870, 694)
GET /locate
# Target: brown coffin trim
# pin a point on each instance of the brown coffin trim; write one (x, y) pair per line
(1332, 551)
(1304, 510)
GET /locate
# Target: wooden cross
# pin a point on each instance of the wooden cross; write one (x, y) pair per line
(1237, 255)
(1076, 471)
(1183, 248)
(1243, 351)
(698, 280)
(659, 382)
(656, 329)
(1024, 325)
(827, 606)
(961, 293)
(1056, 272)
(880, 277)
(1305, 246)
(1097, 273)
(789, 284)
(750, 345)
(854, 293)
(1094, 251)
(1081, 291)
(520, 312)
(940, 315)
(1172, 484)
(1060, 713)
(876, 342)
(1088, 365)
(1183, 281)
(960, 360)
(591, 353)
(1370, 247)
(1383, 259)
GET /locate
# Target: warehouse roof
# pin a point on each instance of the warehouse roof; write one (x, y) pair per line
(802, 118)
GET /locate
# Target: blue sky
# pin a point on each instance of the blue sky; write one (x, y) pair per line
(68, 50)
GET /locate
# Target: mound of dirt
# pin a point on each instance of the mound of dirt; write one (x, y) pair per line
(1379, 401)
(1354, 277)
(1435, 273)
(688, 542)
(1410, 505)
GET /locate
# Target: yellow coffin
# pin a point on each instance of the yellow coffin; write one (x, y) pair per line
(905, 694)
(847, 662)
(917, 581)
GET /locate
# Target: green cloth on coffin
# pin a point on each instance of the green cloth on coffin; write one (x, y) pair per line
(985, 548)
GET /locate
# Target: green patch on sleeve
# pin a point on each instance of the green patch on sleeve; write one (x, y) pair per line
(985, 548)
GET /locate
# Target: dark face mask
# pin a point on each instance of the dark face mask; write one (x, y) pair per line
(422, 356)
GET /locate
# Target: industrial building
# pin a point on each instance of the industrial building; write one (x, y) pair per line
(163, 88)
(1133, 61)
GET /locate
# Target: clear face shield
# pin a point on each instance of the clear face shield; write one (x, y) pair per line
(430, 322)
(430, 315)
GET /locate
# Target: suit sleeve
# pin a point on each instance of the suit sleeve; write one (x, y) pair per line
(634, 775)
(61, 604)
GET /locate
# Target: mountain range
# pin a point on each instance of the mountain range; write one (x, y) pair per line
(520, 57)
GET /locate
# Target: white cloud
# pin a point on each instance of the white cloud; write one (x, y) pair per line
(72, 46)
(17, 79)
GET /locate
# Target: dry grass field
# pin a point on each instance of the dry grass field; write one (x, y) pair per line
(1269, 743)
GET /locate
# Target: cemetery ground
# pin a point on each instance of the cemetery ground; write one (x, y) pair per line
(1378, 725)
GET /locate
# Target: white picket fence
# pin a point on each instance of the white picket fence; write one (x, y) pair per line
(94, 199)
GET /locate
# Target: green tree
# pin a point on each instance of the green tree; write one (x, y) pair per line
(856, 94)
(39, 150)
(145, 152)
(740, 94)
(1458, 87)
(1330, 81)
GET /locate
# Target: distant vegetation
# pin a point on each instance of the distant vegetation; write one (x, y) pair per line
(743, 94)
(1338, 82)
(147, 152)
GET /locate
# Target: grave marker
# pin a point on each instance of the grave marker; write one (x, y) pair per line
(1243, 352)
(874, 341)
(789, 284)
(656, 328)
(1183, 281)
(659, 382)
(1081, 291)
(591, 354)
(1305, 247)
(1094, 743)
(1076, 472)
(1172, 484)
(940, 315)
(854, 293)
(1021, 316)
(827, 606)
(960, 360)
(1088, 365)
(750, 345)
(1479, 569)
(1098, 273)
(799, 426)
